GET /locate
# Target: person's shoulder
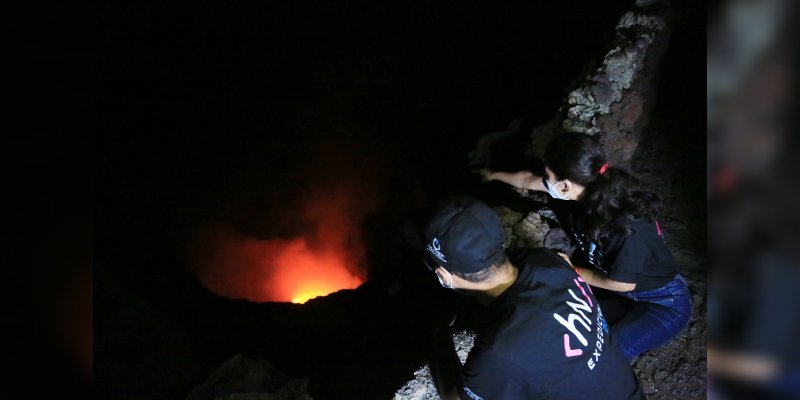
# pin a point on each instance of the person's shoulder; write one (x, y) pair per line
(541, 265)
(538, 257)
(629, 228)
(641, 225)
(642, 231)
(640, 236)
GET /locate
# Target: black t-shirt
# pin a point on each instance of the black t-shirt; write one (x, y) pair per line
(640, 257)
(572, 217)
(545, 338)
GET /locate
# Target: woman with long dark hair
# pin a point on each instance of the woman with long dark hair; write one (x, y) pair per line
(620, 238)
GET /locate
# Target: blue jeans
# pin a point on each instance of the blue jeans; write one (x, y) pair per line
(656, 317)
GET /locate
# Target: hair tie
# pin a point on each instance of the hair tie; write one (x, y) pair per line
(603, 168)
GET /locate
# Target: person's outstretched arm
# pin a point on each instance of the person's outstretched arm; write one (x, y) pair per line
(521, 179)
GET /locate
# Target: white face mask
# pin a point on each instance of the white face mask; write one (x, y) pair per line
(551, 189)
(444, 282)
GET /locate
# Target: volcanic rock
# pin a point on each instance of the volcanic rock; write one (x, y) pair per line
(242, 378)
(422, 386)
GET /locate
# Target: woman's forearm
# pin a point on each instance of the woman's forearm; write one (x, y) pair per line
(521, 179)
(597, 279)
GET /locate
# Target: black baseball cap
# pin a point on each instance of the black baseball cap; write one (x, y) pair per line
(465, 235)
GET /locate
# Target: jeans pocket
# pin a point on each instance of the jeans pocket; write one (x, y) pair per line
(678, 287)
(664, 301)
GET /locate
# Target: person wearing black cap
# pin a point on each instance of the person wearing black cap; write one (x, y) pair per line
(544, 337)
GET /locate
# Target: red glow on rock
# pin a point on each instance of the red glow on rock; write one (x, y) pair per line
(234, 265)
(302, 275)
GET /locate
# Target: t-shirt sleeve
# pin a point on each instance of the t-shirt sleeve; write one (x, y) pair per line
(626, 258)
(488, 377)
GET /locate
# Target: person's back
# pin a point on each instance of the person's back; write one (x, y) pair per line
(547, 339)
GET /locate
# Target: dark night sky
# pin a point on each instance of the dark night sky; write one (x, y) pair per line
(193, 94)
(207, 114)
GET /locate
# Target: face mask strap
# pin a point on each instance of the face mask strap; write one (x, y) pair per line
(551, 188)
(441, 281)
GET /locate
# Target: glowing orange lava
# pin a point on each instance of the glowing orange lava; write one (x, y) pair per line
(238, 266)
(306, 296)
(302, 274)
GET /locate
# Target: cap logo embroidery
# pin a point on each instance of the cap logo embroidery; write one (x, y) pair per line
(435, 248)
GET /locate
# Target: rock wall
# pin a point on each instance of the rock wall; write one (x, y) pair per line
(614, 101)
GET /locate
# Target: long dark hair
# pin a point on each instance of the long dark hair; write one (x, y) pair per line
(609, 196)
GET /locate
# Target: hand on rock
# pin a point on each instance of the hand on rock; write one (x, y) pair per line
(522, 191)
